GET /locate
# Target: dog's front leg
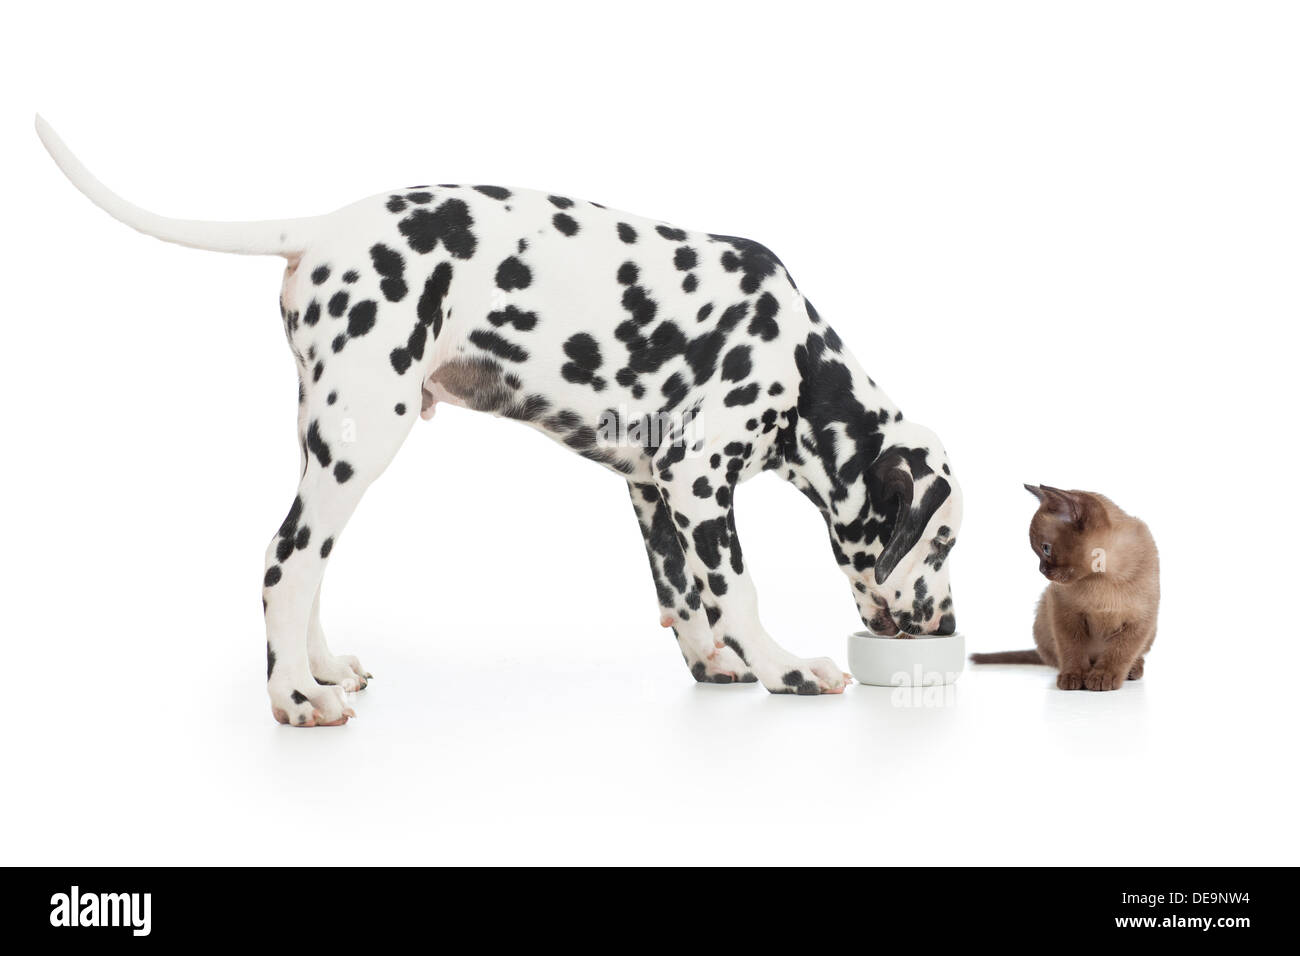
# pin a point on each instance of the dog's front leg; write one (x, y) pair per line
(681, 595)
(700, 498)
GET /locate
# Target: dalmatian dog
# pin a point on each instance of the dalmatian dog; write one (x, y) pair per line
(684, 362)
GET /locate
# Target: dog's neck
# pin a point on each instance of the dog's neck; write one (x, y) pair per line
(844, 422)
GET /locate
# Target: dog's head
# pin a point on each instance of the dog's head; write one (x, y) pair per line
(909, 525)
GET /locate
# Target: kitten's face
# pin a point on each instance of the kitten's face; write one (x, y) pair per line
(1061, 530)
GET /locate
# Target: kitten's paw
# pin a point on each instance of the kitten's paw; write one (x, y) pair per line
(343, 671)
(820, 675)
(1135, 672)
(313, 705)
(1104, 680)
(1070, 680)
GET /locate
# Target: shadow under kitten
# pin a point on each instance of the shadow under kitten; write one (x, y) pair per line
(1097, 618)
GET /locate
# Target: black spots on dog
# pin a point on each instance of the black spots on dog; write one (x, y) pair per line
(734, 448)
(701, 488)
(298, 697)
(626, 233)
(753, 261)
(399, 409)
(428, 314)
(683, 522)
(326, 547)
(584, 359)
(273, 575)
(717, 584)
(776, 388)
(737, 365)
(628, 273)
(495, 192)
(270, 654)
(361, 318)
(581, 438)
(670, 233)
(317, 446)
(563, 421)
(530, 409)
(723, 495)
(732, 316)
(795, 684)
(429, 309)
(560, 202)
(494, 343)
(318, 371)
(674, 390)
(449, 224)
(510, 315)
(710, 537)
(320, 275)
(420, 197)
(702, 354)
(715, 461)
(391, 266)
(685, 258)
(742, 396)
(395, 204)
(513, 274)
(338, 303)
(302, 538)
(662, 540)
(342, 472)
(763, 324)
(946, 469)
(705, 311)
(833, 341)
(565, 223)
(351, 276)
(312, 313)
(690, 283)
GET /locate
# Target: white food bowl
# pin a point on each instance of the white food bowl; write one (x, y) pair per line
(920, 661)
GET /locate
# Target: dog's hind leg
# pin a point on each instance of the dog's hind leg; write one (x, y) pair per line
(681, 604)
(351, 430)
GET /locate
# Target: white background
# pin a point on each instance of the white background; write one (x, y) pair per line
(1064, 236)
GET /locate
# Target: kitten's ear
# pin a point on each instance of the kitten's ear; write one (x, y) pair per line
(1078, 508)
(1036, 491)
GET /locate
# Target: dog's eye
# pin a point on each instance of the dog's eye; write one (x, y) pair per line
(1047, 550)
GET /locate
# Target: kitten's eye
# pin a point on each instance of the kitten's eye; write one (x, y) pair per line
(1047, 550)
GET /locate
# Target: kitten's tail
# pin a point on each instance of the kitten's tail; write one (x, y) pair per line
(1007, 657)
(281, 237)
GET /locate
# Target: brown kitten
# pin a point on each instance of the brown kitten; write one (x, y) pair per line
(1097, 618)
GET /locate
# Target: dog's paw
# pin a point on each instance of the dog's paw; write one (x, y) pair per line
(1070, 680)
(1104, 680)
(344, 671)
(819, 675)
(723, 666)
(313, 705)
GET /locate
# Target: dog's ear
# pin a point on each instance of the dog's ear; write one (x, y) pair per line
(893, 480)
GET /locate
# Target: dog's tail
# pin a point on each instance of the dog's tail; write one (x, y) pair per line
(282, 237)
(1007, 657)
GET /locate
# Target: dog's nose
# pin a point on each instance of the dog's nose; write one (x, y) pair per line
(947, 625)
